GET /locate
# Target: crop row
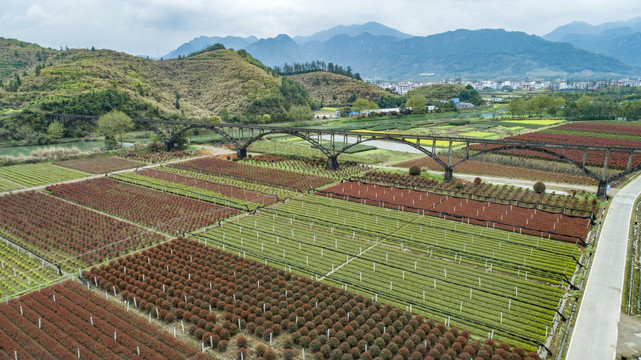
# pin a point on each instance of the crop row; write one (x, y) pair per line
(153, 208)
(191, 281)
(156, 157)
(273, 190)
(601, 128)
(507, 217)
(315, 167)
(67, 234)
(453, 241)
(21, 270)
(65, 321)
(478, 309)
(29, 175)
(317, 252)
(616, 160)
(236, 169)
(8, 186)
(184, 190)
(497, 250)
(227, 191)
(372, 268)
(505, 194)
(99, 165)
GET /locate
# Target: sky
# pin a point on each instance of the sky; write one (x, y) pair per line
(155, 27)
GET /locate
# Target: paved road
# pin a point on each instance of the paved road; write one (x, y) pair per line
(596, 330)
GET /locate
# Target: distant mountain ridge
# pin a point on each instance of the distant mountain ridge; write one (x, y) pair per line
(621, 39)
(377, 51)
(371, 27)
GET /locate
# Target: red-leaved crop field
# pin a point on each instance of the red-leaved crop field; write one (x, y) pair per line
(512, 195)
(262, 175)
(507, 217)
(616, 160)
(223, 189)
(153, 208)
(57, 229)
(616, 129)
(67, 321)
(220, 294)
(99, 165)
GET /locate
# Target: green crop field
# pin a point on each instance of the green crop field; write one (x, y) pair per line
(245, 184)
(21, 271)
(184, 190)
(29, 175)
(437, 267)
(8, 186)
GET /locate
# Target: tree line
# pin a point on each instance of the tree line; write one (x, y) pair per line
(302, 68)
(607, 104)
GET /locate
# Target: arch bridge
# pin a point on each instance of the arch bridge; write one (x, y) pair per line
(333, 143)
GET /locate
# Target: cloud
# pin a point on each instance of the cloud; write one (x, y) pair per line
(157, 26)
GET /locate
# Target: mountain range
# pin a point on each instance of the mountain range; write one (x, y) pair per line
(620, 40)
(377, 51)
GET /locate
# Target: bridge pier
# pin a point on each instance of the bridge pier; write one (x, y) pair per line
(241, 153)
(602, 190)
(332, 163)
(448, 174)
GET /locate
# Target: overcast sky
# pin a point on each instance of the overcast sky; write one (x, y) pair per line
(155, 27)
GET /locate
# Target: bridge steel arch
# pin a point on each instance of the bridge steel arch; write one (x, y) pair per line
(431, 154)
(243, 135)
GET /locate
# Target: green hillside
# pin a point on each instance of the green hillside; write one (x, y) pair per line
(329, 89)
(437, 91)
(197, 86)
(17, 56)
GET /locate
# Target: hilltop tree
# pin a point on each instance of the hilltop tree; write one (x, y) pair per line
(114, 125)
(469, 94)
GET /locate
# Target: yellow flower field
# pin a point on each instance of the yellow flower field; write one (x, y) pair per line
(478, 134)
(424, 143)
(542, 122)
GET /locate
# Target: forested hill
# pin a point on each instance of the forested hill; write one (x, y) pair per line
(94, 81)
(329, 89)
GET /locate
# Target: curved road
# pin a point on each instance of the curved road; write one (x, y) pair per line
(596, 329)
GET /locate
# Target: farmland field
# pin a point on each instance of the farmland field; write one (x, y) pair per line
(235, 169)
(66, 234)
(582, 134)
(272, 304)
(66, 321)
(156, 157)
(483, 168)
(8, 186)
(507, 217)
(191, 191)
(20, 270)
(581, 204)
(29, 175)
(153, 208)
(99, 165)
(233, 192)
(380, 247)
(350, 270)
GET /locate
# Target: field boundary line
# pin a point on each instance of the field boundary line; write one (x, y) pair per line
(381, 242)
(347, 262)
